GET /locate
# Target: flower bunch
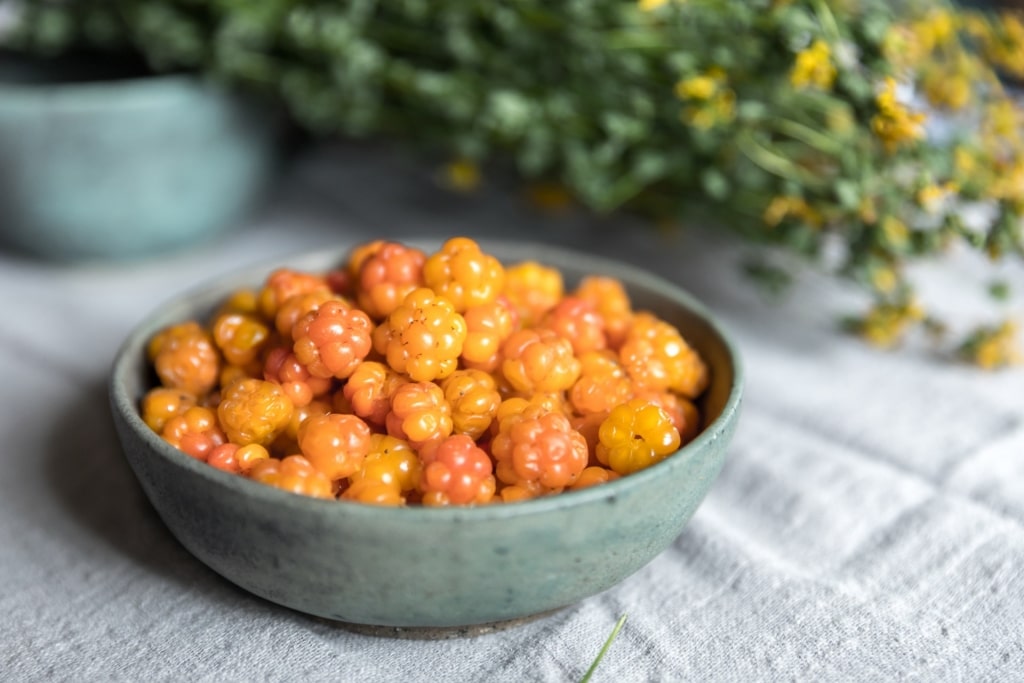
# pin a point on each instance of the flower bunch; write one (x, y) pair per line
(800, 123)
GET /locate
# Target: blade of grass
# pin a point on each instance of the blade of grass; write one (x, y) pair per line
(604, 649)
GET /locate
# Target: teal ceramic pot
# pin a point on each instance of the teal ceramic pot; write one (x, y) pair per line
(410, 569)
(93, 167)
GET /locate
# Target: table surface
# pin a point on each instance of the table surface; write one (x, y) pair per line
(867, 524)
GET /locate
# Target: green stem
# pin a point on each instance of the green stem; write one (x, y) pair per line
(804, 133)
(604, 649)
(775, 163)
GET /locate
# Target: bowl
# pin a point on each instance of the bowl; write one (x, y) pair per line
(431, 570)
(98, 162)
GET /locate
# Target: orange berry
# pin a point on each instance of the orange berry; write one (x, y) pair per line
(545, 449)
(295, 307)
(240, 337)
(594, 476)
(657, 358)
(283, 368)
(247, 456)
(369, 390)
(287, 442)
(636, 435)
(185, 358)
(539, 360)
(487, 327)
(611, 301)
(283, 284)
(387, 276)
(293, 473)
(577, 320)
(419, 414)
(458, 473)
(332, 340)
(161, 404)
(533, 289)
(463, 274)
(335, 444)
(602, 384)
(223, 458)
(422, 337)
(195, 432)
(474, 399)
(360, 254)
(254, 411)
(685, 415)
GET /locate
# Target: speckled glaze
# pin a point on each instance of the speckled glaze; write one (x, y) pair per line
(125, 168)
(419, 568)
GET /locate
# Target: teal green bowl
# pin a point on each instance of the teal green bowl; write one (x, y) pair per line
(94, 167)
(416, 568)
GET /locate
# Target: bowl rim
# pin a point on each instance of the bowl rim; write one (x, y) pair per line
(129, 352)
(156, 90)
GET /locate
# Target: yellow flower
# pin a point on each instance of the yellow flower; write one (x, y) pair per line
(713, 102)
(651, 5)
(932, 196)
(895, 232)
(462, 175)
(784, 206)
(813, 67)
(884, 280)
(894, 124)
(697, 87)
(886, 324)
(996, 348)
(935, 30)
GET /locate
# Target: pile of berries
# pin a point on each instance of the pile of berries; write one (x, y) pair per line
(403, 377)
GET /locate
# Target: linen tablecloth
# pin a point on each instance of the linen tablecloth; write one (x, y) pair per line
(867, 524)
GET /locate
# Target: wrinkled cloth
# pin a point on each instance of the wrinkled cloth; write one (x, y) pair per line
(867, 524)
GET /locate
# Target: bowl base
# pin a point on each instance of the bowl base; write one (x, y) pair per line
(439, 632)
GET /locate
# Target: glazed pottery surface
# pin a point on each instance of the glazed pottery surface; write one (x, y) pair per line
(126, 167)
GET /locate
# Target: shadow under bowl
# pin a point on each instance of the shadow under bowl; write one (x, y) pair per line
(430, 568)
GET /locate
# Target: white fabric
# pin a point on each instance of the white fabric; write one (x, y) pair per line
(867, 525)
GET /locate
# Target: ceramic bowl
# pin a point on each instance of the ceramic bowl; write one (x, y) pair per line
(421, 568)
(94, 166)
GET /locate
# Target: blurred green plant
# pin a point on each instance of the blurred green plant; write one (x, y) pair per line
(867, 124)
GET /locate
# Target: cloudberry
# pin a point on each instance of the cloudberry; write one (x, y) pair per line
(245, 301)
(293, 473)
(283, 368)
(332, 340)
(474, 399)
(185, 358)
(390, 469)
(487, 327)
(602, 385)
(419, 413)
(636, 435)
(533, 289)
(335, 444)
(229, 374)
(195, 432)
(253, 411)
(422, 337)
(463, 274)
(545, 449)
(370, 388)
(612, 303)
(684, 413)
(240, 337)
(161, 404)
(658, 358)
(295, 307)
(577, 320)
(458, 473)
(360, 254)
(287, 442)
(387, 276)
(539, 360)
(283, 284)
(594, 476)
